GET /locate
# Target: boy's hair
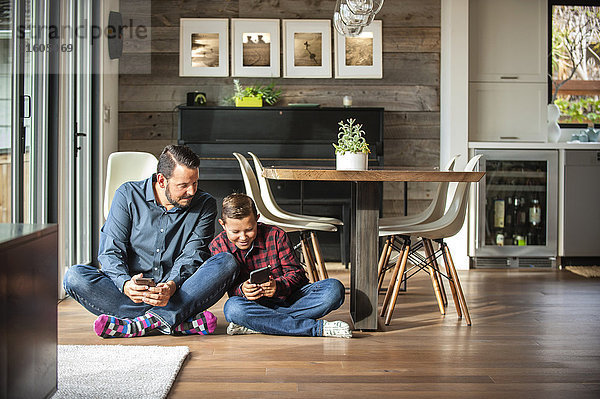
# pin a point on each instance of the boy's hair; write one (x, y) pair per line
(174, 155)
(238, 206)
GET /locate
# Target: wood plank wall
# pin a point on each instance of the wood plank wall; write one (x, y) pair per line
(409, 90)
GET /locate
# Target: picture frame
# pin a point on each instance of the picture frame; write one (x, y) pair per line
(360, 57)
(306, 48)
(255, 47)
(203, 47)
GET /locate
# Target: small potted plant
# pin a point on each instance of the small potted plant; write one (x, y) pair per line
(254, 96)
(352, 150)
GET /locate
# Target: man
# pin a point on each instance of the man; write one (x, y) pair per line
(157, 228)
(286, 304)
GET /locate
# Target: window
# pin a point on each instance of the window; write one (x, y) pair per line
(574, 46)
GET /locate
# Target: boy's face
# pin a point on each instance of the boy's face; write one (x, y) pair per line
(241, 232)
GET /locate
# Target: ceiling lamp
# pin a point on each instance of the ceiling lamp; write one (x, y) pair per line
(351, 16)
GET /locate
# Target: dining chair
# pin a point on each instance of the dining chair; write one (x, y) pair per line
(446, 226)
(123, 167)
(434, 211)
(316, 270)
(271, 204)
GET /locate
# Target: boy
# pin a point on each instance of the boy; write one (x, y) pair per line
(286, 304)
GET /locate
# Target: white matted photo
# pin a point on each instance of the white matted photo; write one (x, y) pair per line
(203, 47)
(255, 47)
(360, 57)
(306, 48)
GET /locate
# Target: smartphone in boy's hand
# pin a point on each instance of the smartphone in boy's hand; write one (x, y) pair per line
(261, 275)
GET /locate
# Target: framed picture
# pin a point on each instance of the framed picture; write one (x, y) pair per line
(306, 48)
(203, 47)
(255, 47)
(359, 57)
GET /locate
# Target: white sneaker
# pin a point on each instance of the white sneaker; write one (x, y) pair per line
(338, 329)
(236, 329)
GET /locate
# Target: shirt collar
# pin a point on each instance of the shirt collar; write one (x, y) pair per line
(150, 188)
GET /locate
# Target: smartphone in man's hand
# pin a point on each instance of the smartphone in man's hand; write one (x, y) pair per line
(261, 275)
(149, 281)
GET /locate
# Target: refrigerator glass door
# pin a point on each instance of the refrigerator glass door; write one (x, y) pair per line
(517, 203)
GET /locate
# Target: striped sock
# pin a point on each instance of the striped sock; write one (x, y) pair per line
(107, 326)
(203, 323)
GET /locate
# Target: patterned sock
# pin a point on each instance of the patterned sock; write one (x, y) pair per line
(107, 326)
(203, 323)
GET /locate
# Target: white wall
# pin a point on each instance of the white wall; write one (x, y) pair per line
(454, 102)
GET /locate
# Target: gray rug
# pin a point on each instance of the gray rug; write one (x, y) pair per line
(585, 271)
(117, 371)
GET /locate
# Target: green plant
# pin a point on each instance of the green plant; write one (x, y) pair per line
(269, 94)
(582, 109)
(350, 138)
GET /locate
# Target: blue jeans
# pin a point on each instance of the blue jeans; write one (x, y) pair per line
(98, 294)
(295, 316)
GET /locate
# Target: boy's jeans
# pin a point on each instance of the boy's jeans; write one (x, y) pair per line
(295, 316)
(98, 294)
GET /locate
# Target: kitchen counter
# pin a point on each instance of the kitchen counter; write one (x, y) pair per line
(502, 145)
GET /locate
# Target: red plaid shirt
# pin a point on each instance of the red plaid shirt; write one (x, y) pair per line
(270, 247)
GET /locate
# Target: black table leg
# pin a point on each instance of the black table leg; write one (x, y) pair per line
(363, 275)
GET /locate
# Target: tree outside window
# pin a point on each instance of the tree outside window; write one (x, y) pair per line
(576, 62)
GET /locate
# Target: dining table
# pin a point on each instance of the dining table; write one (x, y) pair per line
(365, 208)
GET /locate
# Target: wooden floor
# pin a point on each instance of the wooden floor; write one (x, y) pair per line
(535, 334)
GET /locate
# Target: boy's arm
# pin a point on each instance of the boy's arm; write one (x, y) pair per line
(294, 275)
(217, 246)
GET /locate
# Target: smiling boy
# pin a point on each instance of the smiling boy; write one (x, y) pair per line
(287, 304)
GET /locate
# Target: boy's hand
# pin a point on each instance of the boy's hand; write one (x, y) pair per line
(251, 291)
(269, 287)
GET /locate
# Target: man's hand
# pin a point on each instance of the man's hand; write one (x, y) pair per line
(133, 291)
(160, 295)
(269, 287)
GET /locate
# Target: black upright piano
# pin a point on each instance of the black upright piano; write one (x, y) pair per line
(295, 136)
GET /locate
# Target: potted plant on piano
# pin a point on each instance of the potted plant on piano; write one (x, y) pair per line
(254, 96)
(351, 150)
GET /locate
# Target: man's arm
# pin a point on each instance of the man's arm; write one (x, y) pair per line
(195, 251)
(114, 237)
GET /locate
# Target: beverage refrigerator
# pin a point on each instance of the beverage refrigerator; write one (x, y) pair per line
(516, 209)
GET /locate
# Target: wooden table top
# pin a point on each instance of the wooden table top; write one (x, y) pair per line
(404, 174)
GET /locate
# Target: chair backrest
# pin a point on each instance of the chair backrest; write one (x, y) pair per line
(437, 206)
(253, 189)
(123, 167)
(265, 189)
(452, 221)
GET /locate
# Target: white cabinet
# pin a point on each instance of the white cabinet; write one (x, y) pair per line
(508, 40)
(507, 111)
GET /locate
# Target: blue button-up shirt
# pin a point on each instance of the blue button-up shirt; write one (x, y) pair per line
(141, 236)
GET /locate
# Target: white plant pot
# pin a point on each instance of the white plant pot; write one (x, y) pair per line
(553, 127)
(350, 161)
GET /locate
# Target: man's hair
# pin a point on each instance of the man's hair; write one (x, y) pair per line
(238, 206)
(174, 155)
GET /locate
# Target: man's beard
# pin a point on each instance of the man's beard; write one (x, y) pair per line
(174, 202)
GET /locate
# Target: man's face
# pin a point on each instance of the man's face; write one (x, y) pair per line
(182, 186)
(241, 232)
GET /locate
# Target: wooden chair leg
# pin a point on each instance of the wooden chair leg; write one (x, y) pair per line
(459, 291)
(436, 267)
(383, 260)
(434, 279)
(390, 289)
(452, 285)
(310, 265)
(398, 282)
(319, 257)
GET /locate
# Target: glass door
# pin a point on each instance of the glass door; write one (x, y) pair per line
(517, 203)
(6, 100)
